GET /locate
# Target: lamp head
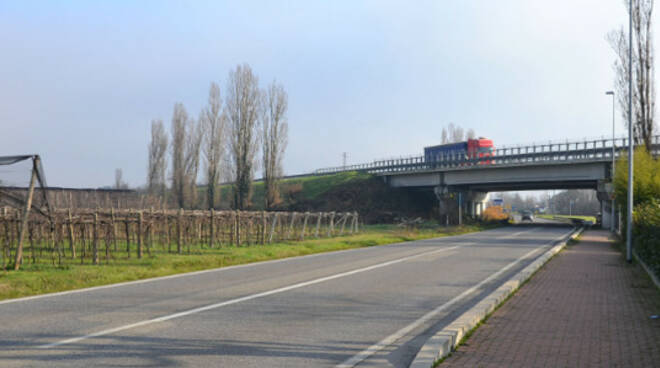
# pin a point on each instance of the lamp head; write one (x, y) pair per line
(610, 93)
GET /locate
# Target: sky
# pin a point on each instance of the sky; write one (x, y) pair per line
(81, 80)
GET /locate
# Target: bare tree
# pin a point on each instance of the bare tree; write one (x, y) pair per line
(242, 108)
(179, 124)
(274, 129)
(470, 134)
(194, 137)
(119, 182)
(445, 137)
(213, 123)
(643, 70)
(454, 134)
(157, 158)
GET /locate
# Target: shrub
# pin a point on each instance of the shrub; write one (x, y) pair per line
(646, 178)
(647, 233)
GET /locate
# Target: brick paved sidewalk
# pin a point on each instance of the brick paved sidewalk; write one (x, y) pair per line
(585, 308)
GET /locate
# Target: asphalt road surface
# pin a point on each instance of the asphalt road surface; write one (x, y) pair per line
(364, 307)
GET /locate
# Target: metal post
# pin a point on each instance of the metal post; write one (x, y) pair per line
(612, 201)
(630, 140)
(460, 208)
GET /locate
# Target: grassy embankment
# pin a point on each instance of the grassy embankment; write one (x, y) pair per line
(302, 188)
(584, 218)
(41, 278)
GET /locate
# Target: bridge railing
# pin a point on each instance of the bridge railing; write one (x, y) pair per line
(577, 151)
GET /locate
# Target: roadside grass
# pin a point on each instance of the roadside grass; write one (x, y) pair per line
(40, 278)
(568, 217)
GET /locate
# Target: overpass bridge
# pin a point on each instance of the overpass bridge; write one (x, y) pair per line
(585, 164)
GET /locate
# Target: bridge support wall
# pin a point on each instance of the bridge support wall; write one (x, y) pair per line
(455, 204)
(605, 195)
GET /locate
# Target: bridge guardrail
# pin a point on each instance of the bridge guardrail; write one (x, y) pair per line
(580, 151)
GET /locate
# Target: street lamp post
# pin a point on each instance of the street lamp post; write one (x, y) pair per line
(613, 160)
(630, 141)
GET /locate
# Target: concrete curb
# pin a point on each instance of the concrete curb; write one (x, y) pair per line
(648, 270)
(444, 342)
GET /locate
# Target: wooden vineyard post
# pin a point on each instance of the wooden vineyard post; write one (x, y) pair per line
(139, 235)
(56, 243)
(238, 228)
(168, 237)
(343, 222)
(72, 240)
(331, 225)
(352, 225)
(263, 227)
(128, 237)
(114, 228)
(106, 241)
(302, 233)
(179, 238)
(293, 220)
(198, 227)
(7, 242)
(151, 231)
(95, 239)
(190, 226)
(211, 228)
(272, 228)
(83, 241)
(26, 214)
(318, 224)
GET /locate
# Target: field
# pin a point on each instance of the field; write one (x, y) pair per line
(49, 276)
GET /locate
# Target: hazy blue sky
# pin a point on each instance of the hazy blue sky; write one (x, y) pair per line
(81, 80)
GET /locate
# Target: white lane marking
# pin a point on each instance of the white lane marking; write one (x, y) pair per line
(220, 269)
(389, 340)
(241, 299)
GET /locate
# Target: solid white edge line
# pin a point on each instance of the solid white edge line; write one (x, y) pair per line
(220, 269)
(238, 300)
(389, 340)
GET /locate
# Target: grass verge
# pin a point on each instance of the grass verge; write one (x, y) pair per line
(40, 278)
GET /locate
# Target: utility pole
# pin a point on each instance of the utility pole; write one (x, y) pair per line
(612, 202)
(630, 140)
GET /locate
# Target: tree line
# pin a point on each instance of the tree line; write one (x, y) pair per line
(224, 141)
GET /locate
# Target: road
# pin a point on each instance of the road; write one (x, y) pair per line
(367, 307)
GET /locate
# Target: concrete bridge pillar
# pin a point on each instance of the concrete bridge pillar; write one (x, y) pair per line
(477, 202)
(605, 194)
(455, 204)
(607, 222)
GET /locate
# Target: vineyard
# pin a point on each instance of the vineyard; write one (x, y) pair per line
(95, 236)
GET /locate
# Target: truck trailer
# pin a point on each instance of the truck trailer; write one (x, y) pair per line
(470, 149)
